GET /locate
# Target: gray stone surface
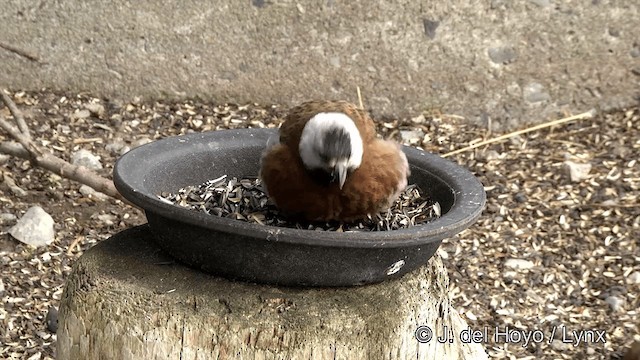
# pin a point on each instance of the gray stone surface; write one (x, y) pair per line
(511, 61)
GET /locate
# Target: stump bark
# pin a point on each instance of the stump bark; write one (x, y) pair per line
(126, 299)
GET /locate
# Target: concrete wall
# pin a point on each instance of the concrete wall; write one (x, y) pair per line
(510, 60)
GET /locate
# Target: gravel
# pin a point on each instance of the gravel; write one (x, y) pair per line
(582, 237)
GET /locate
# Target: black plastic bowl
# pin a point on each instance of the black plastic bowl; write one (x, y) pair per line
(276, 255)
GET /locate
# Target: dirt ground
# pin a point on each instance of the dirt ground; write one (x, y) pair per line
(549, 254)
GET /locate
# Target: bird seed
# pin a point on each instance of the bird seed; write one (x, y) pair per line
(246, 200)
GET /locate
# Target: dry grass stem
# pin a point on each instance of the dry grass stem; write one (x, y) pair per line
(586, 115)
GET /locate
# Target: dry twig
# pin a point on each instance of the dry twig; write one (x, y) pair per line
(17, 114)
(586, 115)
(20, 137)
(25, 148)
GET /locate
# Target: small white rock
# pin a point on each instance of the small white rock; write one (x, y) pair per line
(34, 228)
(125, 149)
(107, 219)
(89, 192)
(535, 92)
(115, 146)
(577, 171)
(420, 119)
(141, 141)
(634, 278)
(1, 287)
(95, 109)
(615, 303)
(80, 114)
(7, 218)
(411, 136)
(197, 123)
(471, 316)
(491, 155)
(560, 345)
(85, 158)
(65, 129)
(86, 190)
(518, 264)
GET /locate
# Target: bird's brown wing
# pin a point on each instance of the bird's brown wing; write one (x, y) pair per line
(291, 129)
(375, 185)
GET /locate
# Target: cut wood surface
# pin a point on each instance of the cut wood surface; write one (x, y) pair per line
(126, 299)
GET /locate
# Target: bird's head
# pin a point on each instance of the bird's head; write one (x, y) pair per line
(331, 143)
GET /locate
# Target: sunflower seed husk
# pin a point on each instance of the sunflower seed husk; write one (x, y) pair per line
(245, 200)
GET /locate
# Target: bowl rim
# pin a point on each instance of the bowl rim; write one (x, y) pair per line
(468, 203)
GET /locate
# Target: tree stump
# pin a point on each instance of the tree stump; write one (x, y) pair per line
(127, 299)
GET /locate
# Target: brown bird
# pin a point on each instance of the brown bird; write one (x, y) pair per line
(329, 165)
(634, 352)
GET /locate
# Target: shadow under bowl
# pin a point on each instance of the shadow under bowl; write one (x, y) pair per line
(278, 255)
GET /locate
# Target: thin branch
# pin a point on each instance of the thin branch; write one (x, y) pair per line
(586, 115)
(17, 114)
(26, 149)
(606, 206)
(22, 139)
(14, 149)
(59, 166)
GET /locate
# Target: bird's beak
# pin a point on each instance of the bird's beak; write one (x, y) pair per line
(341, 169)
